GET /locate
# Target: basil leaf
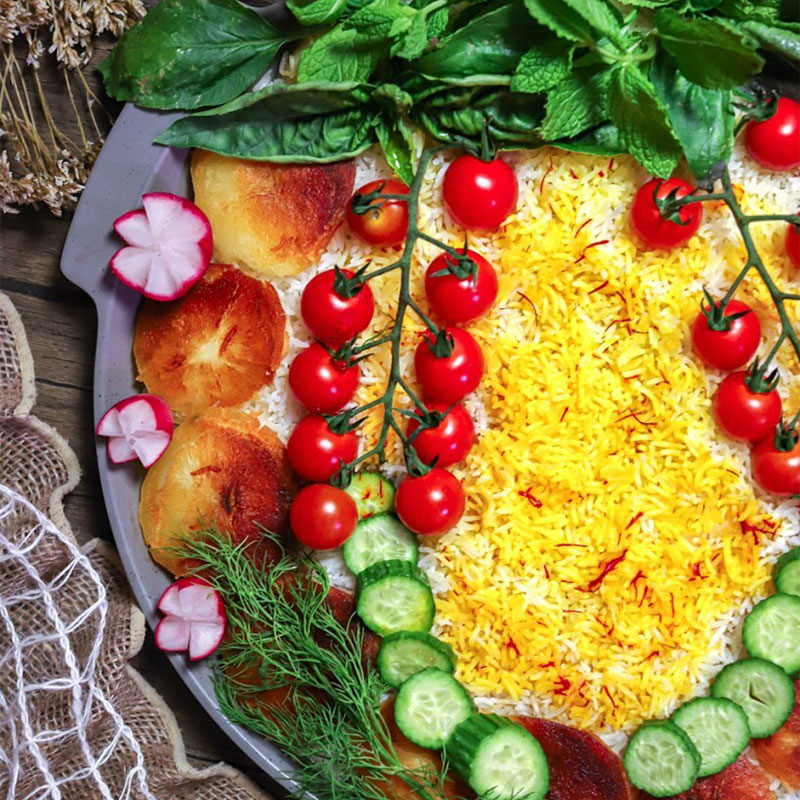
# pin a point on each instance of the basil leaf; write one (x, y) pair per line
(577, 103)
(640, 116)
(561, 19)
(491, 43)
(708, 53)
(303, 122)
(703, 119)
(782, 38)
(342, 55)
(316, 12)
(603, 140)
(397, 142)
(191, 53)
(542, 67)
(601, 15)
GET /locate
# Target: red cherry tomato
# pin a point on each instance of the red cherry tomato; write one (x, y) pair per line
(729, 349)
(655, 231)
(776, 471)
(315, 452)
(323, 516)
(449, 442)
(793, 244)
(430, 504)
(460, 299)
(775, 143)
(333, 318)
(449, 378)
(479, 195)
(743, 414)
(321, 383)
(385, 224)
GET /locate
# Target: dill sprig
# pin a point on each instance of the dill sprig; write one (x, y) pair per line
(281, 628)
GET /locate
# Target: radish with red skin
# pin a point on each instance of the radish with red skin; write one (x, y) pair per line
(194, 618)
(169, 246)
(138, 427)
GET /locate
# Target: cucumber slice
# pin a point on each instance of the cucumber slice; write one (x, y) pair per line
(380, 538)
(763, 690)
(499, 759)
(661, 760)
(772, 631)
(718, 729)
(787, 573)
(429, 706)
(406, 653)
(373, 494)
(394, 596)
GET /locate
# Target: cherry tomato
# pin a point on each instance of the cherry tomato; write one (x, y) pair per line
(333, 318)
(775, 143)
(793, 244)
(729, 349)
(744, 414)
(323, 517)
(430, 504)
(776, 471)
(449, 378)
(385, 224)
(655, 231)
(449, 441)
(460, 300)
(321, 383)
(316, 452)
(479, 195)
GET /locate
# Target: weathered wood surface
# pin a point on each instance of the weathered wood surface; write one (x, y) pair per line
(61, 325)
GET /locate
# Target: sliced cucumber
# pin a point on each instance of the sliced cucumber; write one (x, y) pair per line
(499, 759)
(379, 538)
(394, 596)
(406, 653)
(787, 573)
(763, 690)
(661, 760)
(429, 706)
(718, 729)
(772, 631)
(373, 494)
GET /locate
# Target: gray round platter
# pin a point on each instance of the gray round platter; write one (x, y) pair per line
(128, 166)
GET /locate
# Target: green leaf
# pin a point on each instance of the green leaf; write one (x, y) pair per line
(767, 11)
(382, 19)
(190, 53)
(542, 67)
(640, 116)
(780, 37)
(561, 19)
(302, 122)
(316, 12)
(414, 41)
(703, 119)
(602, 140)
(397, 142)
(601, 15)
(577, 103)
(342, 55)
(491, 43)
(437, 22)
(704, 5)
(708, 53)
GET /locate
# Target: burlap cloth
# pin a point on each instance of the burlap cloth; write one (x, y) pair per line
(76, 721)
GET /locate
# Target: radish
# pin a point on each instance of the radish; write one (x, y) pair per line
(139, 426)
(194, 618)
(169, 246)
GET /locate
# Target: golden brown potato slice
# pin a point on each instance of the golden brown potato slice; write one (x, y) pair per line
(222, 467)
(216, 345)
(271, 219)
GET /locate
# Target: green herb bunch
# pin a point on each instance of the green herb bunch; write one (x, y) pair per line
(659, 79)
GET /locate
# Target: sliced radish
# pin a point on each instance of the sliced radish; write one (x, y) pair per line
(169, 246)
(139, 426)
(194, 618)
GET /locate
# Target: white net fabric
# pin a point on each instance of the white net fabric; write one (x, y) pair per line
(76, 721)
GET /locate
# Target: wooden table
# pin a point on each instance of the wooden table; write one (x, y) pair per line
(61, 326)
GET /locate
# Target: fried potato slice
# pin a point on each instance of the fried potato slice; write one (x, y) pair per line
(216, 345)
(221, 468)
(271, 219)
